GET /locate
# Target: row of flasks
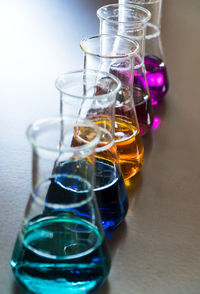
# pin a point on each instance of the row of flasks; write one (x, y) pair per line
(83, 159)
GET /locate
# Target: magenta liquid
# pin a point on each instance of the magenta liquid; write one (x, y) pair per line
(157, 78)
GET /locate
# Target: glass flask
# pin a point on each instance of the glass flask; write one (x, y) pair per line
(115, 54)
(61, 245)
(130, 21)
(91, 94)
(156, 70)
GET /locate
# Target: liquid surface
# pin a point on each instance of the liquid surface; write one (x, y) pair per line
(127, 134)
(157, 78)
(110, 192)
(129, 144)
(110, 188)
(59, 254)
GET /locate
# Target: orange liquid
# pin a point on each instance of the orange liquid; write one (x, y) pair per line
(129, 145)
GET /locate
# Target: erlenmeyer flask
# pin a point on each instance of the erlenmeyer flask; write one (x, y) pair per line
(156, 70)
(91, 94)
(61, 244)
(130, 21)
(115, 54)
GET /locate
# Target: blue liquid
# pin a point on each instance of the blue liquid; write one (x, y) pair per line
(110, 192)
(63, 255)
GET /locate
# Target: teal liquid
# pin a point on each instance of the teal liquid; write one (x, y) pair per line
(60, 254)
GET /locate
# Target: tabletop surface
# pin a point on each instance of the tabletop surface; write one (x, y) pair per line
(156, 249)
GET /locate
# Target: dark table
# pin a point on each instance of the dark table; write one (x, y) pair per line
(156, 250)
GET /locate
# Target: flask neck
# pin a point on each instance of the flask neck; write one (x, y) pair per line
(153, 45)
(154, 6)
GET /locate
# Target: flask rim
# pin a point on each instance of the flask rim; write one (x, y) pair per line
(66, 76)
(135, 46)
(39, 125)
(143, 2)
(131, 7)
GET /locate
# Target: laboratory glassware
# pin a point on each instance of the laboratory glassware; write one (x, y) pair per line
(156, 69)
(61, 244)
(130, 21)
(91, 94)
(115, 54)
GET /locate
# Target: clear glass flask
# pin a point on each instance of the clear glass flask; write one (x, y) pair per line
(91, 94)
(156, 70)
(61, 244)
(115, 54)
(130, 21)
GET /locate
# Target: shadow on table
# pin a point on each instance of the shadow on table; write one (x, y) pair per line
(18, 289)
(117, 238)
(133, 187)
(105, 289)
(159, 115)
(160, 108)
(148, 143)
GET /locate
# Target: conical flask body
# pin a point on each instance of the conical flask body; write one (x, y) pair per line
(115, 54)
(110, 190)
(129, 21)
(157, 77)
(39, 263)
(61, 245)
(156, 69)
(94, 99)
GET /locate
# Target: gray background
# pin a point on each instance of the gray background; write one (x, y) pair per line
(156, 250)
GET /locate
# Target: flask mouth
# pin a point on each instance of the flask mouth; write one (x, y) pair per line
(73, 84)
(109, 46)
(56, 134)
(128, 15)
(143, 2)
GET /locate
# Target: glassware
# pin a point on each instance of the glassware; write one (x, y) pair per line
(91, 94)
(156, 70)
(115, 54)
(130, 21)
(61, 244)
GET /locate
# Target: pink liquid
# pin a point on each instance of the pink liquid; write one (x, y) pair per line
(157, 78)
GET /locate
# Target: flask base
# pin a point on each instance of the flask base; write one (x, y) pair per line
(157, 78)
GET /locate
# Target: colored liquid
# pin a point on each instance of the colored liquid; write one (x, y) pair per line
(110, 193)
(129, 144)
(61, 255)
(143, 109)
(157, 78)
(141, 97)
